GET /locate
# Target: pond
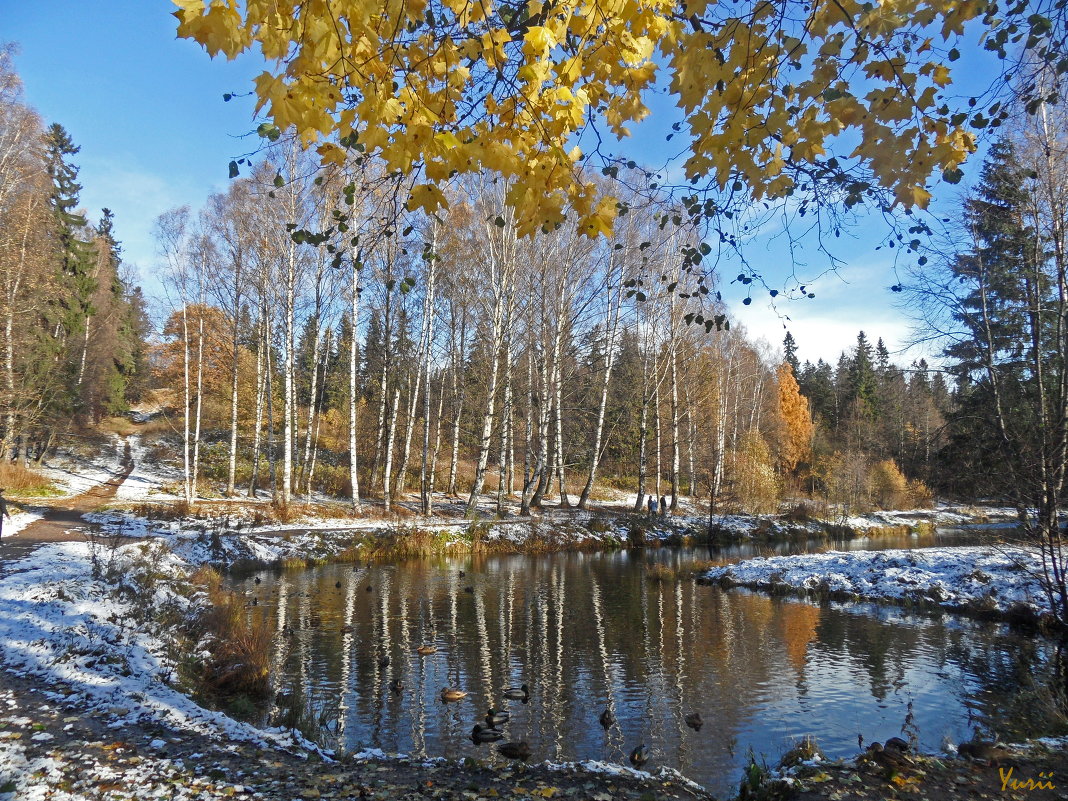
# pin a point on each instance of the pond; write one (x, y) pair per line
(589, 631)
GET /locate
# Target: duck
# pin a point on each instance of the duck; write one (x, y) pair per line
(518, 693)
(449, 694)
(383, 661)
(397, 686)
(607, 718)
(890, 758)
(485, 734)
(469, 589)
(426, 650)
(518, 750)
(981, 751)
(896, 744)
(495, 718)
(258, 580)
(370, 588)
(694, 721)
(639, 756)
(338, 585)
(462, 574)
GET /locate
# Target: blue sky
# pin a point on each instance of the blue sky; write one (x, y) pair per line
(147, 111)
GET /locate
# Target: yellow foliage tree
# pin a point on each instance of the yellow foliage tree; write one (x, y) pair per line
(764, 90)
(795, 445)
(756, 486)
(889, 487)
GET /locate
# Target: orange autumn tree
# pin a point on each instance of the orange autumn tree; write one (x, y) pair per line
(795, 444)
(831, 100)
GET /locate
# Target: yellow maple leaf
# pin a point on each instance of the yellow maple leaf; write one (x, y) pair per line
(427, 197)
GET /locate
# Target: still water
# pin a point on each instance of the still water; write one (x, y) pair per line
(590, 631)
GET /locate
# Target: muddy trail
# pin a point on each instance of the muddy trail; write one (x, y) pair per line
(63, 522)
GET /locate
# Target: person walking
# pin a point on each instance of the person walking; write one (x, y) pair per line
(3, 512)
(663, 506)
(652, 506)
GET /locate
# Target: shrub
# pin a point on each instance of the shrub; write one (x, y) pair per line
(920, 495)
(798, 513)
(889, 487)
(624, 483)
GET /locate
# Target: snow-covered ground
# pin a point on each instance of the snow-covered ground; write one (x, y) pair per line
(147, 480)
(60, 624)
(225, 542)
(72, 474)
(988, 579)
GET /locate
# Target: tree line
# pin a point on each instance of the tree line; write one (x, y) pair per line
(323, 338)
(72, 329)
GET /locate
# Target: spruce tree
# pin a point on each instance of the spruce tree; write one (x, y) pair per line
(993, 314)
(862, 388)
(789, 348)
(75, 252)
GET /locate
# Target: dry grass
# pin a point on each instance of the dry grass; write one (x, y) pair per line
(164, 510)
(702, 566)
(240, 645)
(124, 426)
(19, 480)
(661, 574)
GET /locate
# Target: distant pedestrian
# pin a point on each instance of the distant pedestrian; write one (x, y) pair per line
(663, 506)
(652, 506)
(3, 512)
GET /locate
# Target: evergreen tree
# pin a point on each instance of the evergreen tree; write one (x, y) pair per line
(789, 347)
(75, 253)
(861, 390)
(882, 357)
(993, 311)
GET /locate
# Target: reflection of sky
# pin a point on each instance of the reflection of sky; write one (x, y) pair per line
(589, 630)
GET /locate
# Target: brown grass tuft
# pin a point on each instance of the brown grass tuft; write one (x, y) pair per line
(19, 480)
(240, 644)
(661, 574)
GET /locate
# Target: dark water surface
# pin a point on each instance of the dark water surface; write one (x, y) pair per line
(586, 631)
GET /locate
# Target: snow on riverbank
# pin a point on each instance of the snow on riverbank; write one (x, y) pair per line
(980, 579)
(222, 544)
(60, 624)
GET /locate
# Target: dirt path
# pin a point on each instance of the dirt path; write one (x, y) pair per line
(63, 522)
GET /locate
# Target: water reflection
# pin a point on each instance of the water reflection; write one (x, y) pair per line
(590, 631)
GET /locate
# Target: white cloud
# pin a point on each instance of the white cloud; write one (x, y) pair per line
(857, 299)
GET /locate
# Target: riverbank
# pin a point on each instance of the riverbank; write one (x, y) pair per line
(93, 703)
(235, 536)
(52, 747)
(1037, 770)
(987, 581)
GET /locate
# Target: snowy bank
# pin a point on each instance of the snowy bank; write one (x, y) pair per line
(228, 542)
(1000, 582)
(802, 523)
(110, 643)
